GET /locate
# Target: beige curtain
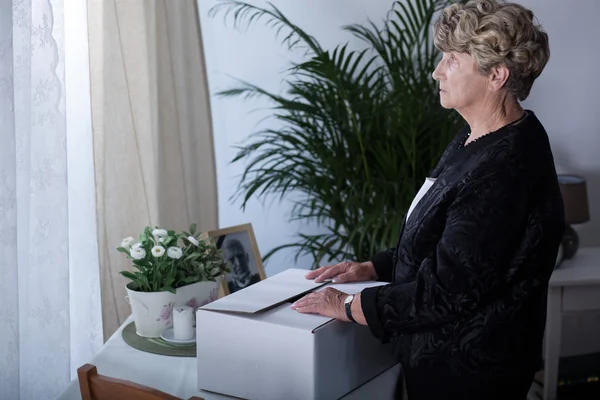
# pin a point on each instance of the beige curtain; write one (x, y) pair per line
(153, 148)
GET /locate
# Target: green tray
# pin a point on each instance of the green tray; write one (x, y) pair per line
(156, 345)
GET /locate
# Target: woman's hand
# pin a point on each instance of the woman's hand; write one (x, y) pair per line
(328, 302)
(344, 272)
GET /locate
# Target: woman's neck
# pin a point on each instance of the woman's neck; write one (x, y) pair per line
(489, 116)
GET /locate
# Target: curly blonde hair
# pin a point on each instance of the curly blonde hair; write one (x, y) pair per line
(496, 33)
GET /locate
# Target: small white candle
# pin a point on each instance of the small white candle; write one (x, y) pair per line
(183, 328)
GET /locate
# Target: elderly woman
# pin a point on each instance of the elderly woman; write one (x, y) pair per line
(465, 307)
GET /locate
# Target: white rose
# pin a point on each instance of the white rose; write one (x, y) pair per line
(127, 241)
(158, 251)
(174, 252)
(159, 233)
(137, 253)
(136, 246)
(193, 240)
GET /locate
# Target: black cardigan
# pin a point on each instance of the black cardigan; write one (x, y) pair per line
(470, 272)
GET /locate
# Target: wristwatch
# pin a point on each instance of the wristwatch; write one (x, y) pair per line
(347, 305)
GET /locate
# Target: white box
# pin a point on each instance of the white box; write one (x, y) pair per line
(252, 345)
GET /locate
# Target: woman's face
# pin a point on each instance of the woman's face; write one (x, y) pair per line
(460, 82)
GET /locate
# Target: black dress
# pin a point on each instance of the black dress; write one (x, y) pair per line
(466, 307)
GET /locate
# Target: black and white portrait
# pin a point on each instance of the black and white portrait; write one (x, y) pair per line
(240, 250)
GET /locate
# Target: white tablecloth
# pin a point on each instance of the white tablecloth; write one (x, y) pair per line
(177, 375)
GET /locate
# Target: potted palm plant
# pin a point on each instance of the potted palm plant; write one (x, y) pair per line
(356, 132)
(170, 269)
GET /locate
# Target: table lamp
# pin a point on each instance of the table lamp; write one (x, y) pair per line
(574, 193)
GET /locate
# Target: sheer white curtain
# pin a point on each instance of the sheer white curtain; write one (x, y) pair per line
(50, 318)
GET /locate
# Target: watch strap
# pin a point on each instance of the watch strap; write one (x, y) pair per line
(348, 307)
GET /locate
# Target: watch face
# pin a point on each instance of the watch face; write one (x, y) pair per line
(349, 299)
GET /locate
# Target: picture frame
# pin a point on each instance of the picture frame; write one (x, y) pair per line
(241, 250)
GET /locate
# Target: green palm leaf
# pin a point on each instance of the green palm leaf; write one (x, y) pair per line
(358, 130)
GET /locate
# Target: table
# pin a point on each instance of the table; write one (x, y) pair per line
(177, 375)
(574, 287)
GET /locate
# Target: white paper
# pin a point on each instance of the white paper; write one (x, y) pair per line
(354, 287)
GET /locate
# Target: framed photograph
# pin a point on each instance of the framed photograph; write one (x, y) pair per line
(241, 250)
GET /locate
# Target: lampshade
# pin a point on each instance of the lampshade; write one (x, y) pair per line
(575, 199)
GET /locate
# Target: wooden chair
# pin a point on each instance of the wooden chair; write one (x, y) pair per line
(94, 386)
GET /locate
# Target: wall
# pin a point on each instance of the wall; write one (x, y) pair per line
(256, 56)
(564, 98)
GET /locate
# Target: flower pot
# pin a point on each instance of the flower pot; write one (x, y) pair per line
(152, 311)
(197, 294)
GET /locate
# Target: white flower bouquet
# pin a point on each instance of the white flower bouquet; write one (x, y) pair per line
(166, 260)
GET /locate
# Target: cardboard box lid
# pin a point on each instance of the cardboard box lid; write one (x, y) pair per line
(266, 301)
(283, 314)
(266, 293)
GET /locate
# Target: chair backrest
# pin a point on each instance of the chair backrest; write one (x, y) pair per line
(94, 386)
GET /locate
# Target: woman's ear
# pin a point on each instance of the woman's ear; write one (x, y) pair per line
(498, 77)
